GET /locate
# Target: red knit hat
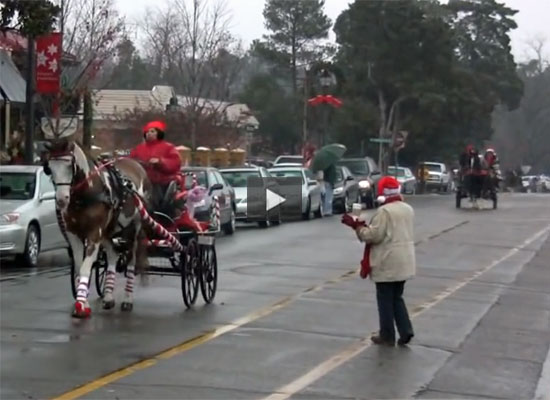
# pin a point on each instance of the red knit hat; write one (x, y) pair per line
(388, 186)
(161, 126)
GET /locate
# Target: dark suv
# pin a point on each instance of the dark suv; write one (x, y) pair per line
(367, 173)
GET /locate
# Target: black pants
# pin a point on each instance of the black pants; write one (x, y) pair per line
(391, 307)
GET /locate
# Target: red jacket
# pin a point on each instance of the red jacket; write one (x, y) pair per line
(170, 161)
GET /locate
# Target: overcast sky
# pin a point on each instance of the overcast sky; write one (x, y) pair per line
(533, 18)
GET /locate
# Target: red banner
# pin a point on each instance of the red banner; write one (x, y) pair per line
(48, 63)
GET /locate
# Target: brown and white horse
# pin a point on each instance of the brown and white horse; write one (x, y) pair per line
(96, 206)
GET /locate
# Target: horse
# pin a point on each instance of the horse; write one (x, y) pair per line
(96, 202)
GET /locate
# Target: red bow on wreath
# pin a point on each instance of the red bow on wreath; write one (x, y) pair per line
(326, 99)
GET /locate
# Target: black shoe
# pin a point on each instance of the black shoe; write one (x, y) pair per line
(377, 339)
(405, 340)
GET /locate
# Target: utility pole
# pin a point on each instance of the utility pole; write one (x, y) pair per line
(29, 103)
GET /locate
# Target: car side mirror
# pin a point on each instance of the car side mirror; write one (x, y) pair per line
(47, 196)
(216, 186)
(376, 173)
(350, 178)
(311, 182)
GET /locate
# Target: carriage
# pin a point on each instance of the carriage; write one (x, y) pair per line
(188, 252)
(475, 185)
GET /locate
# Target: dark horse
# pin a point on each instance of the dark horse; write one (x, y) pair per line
(97, 203)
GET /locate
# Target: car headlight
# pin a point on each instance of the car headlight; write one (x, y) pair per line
(9, 218)
(364, 184)
(338, 190)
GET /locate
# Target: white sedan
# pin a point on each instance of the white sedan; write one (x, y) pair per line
(311, 189)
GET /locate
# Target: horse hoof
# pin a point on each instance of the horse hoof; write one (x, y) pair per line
(81, 310)
(108, 304)
(125, 306)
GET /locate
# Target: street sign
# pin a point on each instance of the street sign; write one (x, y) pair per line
(66, 128)
(377, 140)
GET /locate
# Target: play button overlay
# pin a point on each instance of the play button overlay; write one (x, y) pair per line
(272, 200)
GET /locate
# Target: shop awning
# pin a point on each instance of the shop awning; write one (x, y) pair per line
(12, 84)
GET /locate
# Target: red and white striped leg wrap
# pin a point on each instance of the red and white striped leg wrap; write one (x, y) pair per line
(129, 282)
(82, 290)
(157, 228)
(110, 282)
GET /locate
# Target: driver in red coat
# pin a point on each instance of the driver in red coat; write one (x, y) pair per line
(160, 158)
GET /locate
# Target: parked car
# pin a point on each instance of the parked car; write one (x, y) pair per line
(439, 176)
(211, 179)
(292, 160)
(405, 177)
(346, 190)
(238, 178)
(28, 220)
(366, 172)
(311, 189)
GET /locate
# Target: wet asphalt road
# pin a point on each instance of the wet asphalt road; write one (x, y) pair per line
(291, 319)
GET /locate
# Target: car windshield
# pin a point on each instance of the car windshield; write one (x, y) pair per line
(17, 186)
(287, 174)
(201, 179)
(400, 172)
(291, 160)
(238, 179)
(357, 167)
(433, 167)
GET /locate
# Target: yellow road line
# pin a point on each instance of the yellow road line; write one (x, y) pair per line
(205, 337)
(357, 348)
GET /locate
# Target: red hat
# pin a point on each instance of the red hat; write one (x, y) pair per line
(161, 126)
(388, 186)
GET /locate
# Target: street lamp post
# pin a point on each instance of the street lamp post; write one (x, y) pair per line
(326, 79)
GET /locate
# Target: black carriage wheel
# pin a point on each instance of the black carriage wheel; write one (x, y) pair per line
(458, 198)
(189, 273)
(100, 267)
(73, 275)
(209, 273)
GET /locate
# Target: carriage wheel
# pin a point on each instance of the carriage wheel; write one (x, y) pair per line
(100, 267)
(458, 198)
(189, 273)
(209, 273)
(74, 275)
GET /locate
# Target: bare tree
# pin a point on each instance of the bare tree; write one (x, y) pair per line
(92, 30)
(190, 45)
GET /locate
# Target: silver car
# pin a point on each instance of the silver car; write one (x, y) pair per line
(238, 179)
(311, 189)
(405, 178)
(28, 221)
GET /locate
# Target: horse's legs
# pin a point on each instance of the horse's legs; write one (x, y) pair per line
(82, 308)
(128, 302)
(112, 258)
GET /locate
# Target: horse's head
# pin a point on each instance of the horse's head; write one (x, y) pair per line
(60, 163)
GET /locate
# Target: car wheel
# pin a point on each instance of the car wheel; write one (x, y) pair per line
(307, 214)
(263, 224)
(32, 247)
(229, 227)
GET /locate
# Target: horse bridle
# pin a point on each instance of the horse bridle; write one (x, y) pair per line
(61, 157)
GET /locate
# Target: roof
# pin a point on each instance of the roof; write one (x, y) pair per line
(12, 83)
(110, 102)
(20, 168)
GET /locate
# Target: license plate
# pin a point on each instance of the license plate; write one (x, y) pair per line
(206, 240)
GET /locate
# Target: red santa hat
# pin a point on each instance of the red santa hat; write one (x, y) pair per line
(388, 187)
(161, 126)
